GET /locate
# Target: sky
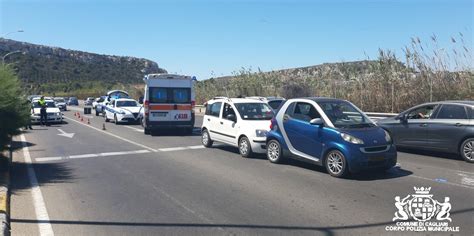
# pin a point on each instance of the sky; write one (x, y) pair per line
(210, 38)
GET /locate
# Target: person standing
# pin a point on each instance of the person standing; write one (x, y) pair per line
(43, 113)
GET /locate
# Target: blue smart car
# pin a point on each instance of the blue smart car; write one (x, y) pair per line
(329, 132)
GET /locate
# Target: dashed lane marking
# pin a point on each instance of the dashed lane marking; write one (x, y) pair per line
(133, 128)
(104, 154)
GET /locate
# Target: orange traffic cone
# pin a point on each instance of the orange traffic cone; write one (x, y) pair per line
(103, 126)
(82, 119)
(75, 114)
(88, 121)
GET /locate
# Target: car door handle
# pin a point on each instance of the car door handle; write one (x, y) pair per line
(423, 125)
(222, 123)
(286, 117)
(208, 119)
(458, 124)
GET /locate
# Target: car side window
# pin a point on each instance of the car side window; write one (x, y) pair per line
(227, 110)
(305, 112)
(424, 112)
(452, 112)
(215, 109)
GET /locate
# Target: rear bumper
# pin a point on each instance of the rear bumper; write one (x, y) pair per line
(169, 124)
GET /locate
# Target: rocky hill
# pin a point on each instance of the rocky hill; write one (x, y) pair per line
(45, 69)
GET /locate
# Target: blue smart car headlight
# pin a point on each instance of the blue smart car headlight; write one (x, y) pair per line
(351, 139)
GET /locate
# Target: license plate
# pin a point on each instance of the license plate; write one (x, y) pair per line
(376, 158)
(159, 114)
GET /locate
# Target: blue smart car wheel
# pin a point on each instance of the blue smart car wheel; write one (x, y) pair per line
(336, 164)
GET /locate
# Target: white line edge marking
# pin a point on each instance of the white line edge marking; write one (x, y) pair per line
(43, 159)
(44, 225)
(113, 135)
(172, 149)
(196, 147)
(136, 129)
(450, 183)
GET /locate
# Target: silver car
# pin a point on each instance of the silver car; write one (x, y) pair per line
(438, 126)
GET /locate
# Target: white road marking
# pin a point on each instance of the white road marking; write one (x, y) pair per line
(450, 183)
(172, 149)
(113, 135)
(196, 147)
(42, 216)
(103, 154)
(467, 179)
(133, 128)
(69, 135)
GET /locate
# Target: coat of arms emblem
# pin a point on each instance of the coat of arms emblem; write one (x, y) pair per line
(422, 207)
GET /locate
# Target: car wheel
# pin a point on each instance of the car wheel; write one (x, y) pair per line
(115, 119)
(467, 150)
(96, 113)
(146, 131)
(106, 119)
(244, 147)
(336, 164)
(274, 152)
(206, 139)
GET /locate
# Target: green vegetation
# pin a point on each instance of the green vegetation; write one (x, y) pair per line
(14, 111)
(430, 73)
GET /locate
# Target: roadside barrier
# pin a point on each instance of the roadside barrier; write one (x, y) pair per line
(103, 126)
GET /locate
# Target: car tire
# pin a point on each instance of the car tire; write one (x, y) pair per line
(467, 150)
(146, 131)
(245, 148)
(336, 164)
(274, 152)
(96, 113)
(106, 119)
(206, 139)
(115, 120)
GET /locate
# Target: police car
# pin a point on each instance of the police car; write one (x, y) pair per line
(54, 114)
(123, 110)
(111, 95)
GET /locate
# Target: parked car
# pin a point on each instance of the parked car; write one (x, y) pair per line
(330, 132)
(73, 101)
(60, 103)
(111, 95)
(239, 122)
(97, 101)
(54, 115)
(273, 102)
(88, 101)
(446, 126)
(123, 110)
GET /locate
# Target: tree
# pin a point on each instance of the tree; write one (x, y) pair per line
(14, 111)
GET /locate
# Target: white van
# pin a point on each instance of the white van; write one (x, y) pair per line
(168, 102)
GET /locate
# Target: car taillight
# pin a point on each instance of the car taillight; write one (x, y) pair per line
(146, 105)
(273, 124)
(193, 103)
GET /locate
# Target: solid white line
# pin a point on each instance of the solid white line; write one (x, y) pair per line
(42, 216)
(43, 159)
(196, 147)
(136, 129)
(172, 149)
(83, 156)
(113, 135)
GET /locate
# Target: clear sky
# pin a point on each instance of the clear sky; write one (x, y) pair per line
(216, 37)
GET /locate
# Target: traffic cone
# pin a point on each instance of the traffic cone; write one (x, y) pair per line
(103, 126)
(78, 115)
(88, 121)
(82, 119)
(75, 113)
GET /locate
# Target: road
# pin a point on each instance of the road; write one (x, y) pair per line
(121, 182)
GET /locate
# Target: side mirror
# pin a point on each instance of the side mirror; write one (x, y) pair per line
(231, 117)
(402, 118)
(316, 121)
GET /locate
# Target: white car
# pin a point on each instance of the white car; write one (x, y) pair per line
(54, 114)
(97, 101)
(273, 102)
(61, 104)
(239, 122)
(123, 110)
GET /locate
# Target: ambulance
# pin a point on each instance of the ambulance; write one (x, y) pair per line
(168, 102)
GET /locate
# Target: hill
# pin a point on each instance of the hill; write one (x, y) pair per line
(52, 70)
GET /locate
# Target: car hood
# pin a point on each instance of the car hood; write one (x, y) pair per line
(48, 110)
(61, 104)
(372, 136)
(129, 109)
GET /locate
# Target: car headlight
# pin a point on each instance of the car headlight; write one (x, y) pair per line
(387, 137)
(351, 139)
(261, 133)
(58, 114)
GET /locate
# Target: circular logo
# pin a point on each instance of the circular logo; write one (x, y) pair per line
(422, 208)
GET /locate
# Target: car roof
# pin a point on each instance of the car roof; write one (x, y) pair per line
(458, 102)
(320, 99)
(125, 99)
(236, 100)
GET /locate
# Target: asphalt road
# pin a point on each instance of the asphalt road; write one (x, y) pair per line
(121, 182)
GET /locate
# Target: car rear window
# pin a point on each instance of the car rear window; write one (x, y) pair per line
(452, 112)
(275, 104)
(170, 95)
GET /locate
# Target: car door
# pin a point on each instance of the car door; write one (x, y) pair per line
(412, 130)
(229, 128)
(303, 136)
(446, 130)
(213, 120)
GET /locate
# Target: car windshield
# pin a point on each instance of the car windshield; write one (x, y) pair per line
(254, 111)
(48, 104)
(345, 115)
(126, 104)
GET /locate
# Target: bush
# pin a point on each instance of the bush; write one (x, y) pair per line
(14, 111)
